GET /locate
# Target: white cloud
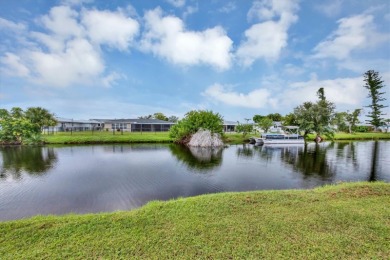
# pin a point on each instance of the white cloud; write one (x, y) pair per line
(13, 65)
(167, 37)
(266, 40)
(80, 62)
(330, 8)
(344, 92)
(8, 25)
(76, 2)
(111, 28)
(176, 3)
(62, 21)
(68, 50)
(110, 79)
(264, 10)
(190, 10)
(353, 33)
(257, 98)
(229, 7)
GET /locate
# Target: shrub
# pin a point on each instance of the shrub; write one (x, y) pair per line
(195, 120)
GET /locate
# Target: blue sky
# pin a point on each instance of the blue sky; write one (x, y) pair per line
(123, 59)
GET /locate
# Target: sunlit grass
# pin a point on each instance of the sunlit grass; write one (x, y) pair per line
(348, 221)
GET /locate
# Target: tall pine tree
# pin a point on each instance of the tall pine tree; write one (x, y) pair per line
(374, 83)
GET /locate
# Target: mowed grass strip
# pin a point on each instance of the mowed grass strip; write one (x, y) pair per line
(106, 137)
(361, 136)
(346, 221)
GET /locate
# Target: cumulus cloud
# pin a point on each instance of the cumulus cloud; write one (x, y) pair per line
(13, 65)
(80, 62)
(265, 40)
(344, 92)
(257, 98)
(66, 55)
(60, 16)
(167, 37)
(353, 33)
(111, 28)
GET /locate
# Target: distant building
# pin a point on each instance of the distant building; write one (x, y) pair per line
(128, 125)
(66, 124)
(229, 126)
(137, 125)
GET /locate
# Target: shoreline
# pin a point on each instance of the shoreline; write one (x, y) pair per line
(163, 137)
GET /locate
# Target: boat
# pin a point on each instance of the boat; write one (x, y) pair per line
(288, 135)
(252, 140)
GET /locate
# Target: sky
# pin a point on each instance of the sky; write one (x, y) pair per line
(86, 59)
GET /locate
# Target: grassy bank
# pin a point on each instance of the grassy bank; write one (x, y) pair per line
(163, 137)
(347, 221)
(106, 137)
(359, 136)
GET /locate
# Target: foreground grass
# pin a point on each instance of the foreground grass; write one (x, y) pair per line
(347, 221)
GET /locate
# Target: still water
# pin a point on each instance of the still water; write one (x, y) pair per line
(101, 178)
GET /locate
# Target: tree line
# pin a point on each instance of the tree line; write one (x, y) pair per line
(19, 126)
(319, 117)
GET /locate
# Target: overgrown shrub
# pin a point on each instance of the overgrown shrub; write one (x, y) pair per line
(195, 120)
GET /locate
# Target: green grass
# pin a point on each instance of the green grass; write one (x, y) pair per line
(346, 221)
(107, 137)
(163, 137)
(361, 136)
(355, 136)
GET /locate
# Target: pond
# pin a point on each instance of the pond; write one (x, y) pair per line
(104, 178)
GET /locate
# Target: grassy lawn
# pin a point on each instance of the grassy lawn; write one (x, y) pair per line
(346, 221)
(107, 137)
(361, 136)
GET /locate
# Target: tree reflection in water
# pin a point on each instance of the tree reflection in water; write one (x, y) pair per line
(308, 159)
(246, 150)
(33, 160)
(323, 159)
(200, 159)
(374, 161)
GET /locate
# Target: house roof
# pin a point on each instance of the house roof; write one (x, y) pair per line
(71, 120)
(138, 121)
(230, 123)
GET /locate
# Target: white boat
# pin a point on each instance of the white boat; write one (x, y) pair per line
(289, 135)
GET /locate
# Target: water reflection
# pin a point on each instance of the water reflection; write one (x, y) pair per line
(310, 160)
(326, 160)
(35, 161)
(99, 178)
(374, 161)
(198, 158)
(246, 150)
